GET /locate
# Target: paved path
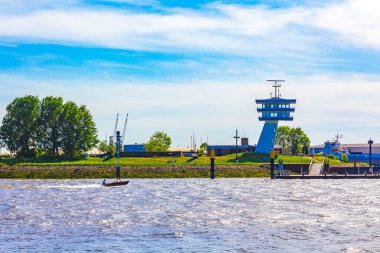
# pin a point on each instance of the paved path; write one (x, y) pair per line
(350, 176)
(315, 169)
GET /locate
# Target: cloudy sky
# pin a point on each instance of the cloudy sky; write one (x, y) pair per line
(197, 66)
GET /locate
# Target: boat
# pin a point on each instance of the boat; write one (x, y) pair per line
(118, 182)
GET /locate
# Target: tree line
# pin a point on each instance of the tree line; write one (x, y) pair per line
(45, 127)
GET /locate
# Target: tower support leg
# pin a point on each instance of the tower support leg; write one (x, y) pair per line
(267, 137)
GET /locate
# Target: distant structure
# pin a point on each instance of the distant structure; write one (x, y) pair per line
(134, 148)
(244, 141)
(272, 111)
(329, 147)
(359, 152)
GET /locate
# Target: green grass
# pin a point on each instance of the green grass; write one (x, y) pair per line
(244, 158)
(64, 172)
(328, 160)
(250, 165)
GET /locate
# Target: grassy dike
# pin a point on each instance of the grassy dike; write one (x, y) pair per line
(250, 165)
(92, 172)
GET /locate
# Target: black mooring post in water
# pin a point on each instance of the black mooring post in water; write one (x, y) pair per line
(118, 141)
(212, 164)
(272, 164)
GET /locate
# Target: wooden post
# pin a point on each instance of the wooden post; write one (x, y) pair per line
(272, 164)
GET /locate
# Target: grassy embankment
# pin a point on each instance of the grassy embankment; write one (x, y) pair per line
(250, 165)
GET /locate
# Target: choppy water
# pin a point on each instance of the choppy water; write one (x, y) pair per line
(190, 215)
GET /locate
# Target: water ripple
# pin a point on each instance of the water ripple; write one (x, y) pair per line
(190, 215)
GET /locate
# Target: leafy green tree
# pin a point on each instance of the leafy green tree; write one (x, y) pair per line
(158, 142)
(293, 138)
(283, 137)
(203, 147)
(31, 127)
(49, 138)
(87, 130)
(298, 139)
(105, 148)
(344, 158)
(77, 129)
(69, 122)
(19, 126)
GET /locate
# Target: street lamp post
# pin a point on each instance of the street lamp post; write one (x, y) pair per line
(370, 142)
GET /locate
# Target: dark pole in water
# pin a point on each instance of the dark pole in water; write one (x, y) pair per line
(118, 140)
(272, 164)
(212, 164)
(370, 142)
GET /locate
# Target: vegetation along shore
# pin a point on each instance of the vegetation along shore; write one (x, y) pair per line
(96, 171)
(250, 165)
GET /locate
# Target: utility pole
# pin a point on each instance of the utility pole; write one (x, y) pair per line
(236, 137)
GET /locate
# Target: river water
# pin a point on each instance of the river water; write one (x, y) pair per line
(190, 215)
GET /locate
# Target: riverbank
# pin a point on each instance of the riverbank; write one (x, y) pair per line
(92, 172)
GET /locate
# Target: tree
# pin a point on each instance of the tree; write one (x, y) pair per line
(158, 142)
(105, 148)
(283, 137)
(344, 158)
(77, 129)
(298, 139)
(19, 126)
(87, 130)
(48, 125)
(203, 147)
(68, 130)
(49, 138)
(293, 138)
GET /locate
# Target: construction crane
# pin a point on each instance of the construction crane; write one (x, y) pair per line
(113, 138)
(125, 128)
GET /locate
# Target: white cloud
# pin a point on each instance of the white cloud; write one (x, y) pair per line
(219, 27)
(231, 29)
(355, 21)
(325, 105)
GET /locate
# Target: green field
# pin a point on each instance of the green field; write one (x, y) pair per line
(250, 165)
(244, 159)
(92, 172)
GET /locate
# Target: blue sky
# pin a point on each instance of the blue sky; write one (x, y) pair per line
(197, 66)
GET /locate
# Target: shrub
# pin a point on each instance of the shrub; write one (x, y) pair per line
(344, 158)
(331, 157)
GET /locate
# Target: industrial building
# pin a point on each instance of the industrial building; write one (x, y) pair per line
(134, 148)
(230, 149)
(355, 152)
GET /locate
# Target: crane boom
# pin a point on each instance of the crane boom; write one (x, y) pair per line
(125, 128)
(114, 131)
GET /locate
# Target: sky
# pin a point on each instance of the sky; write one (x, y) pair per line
(197, 66)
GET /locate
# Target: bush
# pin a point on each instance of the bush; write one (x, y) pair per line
(331, 157)
(344, 158)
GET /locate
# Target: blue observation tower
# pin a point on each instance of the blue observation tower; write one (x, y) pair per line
(272, 111)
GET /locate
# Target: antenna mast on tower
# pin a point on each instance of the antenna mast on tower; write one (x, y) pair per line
(338, 136)
(276, 85)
